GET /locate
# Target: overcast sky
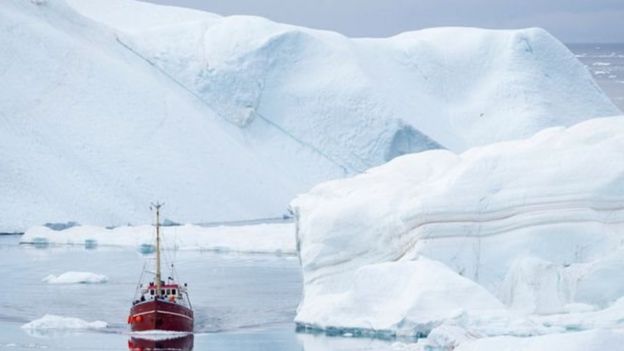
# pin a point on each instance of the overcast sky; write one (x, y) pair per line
(569, 20)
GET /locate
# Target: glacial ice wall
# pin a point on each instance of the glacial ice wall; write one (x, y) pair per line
(538, 223)
(108, 105)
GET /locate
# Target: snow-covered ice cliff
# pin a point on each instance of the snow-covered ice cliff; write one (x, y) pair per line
(92, 133)
(537, 223)
(110, 104)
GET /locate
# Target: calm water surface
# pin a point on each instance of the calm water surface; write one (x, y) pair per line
(606, 64)
(241, 302)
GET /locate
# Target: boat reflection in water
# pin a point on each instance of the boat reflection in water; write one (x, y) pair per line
(161, 342)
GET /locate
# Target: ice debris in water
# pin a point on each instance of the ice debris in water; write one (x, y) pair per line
(51, 321)
(76, 278)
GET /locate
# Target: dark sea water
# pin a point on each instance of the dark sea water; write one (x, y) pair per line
(606, 64)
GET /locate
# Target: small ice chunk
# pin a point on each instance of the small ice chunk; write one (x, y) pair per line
(76, 278)
(50, 321)
(447, 337)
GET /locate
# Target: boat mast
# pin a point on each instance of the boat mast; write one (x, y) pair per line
(157, 206)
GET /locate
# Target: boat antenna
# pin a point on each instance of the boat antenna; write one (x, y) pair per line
(157, 207)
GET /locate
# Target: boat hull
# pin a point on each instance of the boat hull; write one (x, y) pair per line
(160, 315)
(184, 343)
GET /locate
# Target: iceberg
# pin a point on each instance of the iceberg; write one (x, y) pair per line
(536, 223)
(94, 134)
(362, 100)
(115, 103)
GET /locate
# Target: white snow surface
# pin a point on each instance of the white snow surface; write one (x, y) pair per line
(538, 223)
(76, 278)
(54, 322)
(274, 238)
(111, 104)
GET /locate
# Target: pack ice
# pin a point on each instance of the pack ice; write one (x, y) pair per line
(521, 237)
(110, 104)
(276, 238)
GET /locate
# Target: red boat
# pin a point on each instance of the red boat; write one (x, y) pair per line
(161, 305)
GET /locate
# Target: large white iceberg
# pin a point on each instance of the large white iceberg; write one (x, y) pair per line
(115, 103)
(363, 101)
(93, 134)
(538, 223)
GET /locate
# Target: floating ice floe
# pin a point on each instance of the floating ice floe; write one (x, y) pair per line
(274, 238)
(54, 322)
(76, 278)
